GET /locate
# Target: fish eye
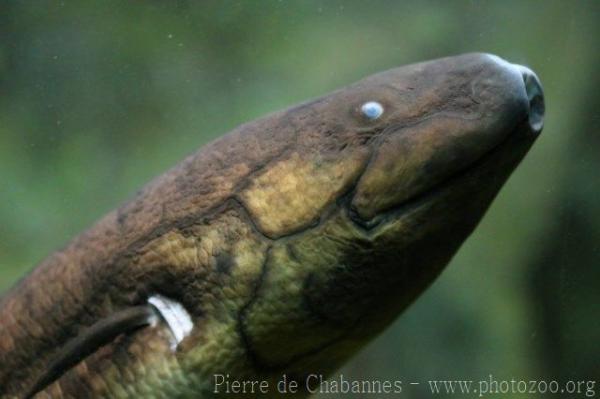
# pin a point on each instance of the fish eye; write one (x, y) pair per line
(372, 110)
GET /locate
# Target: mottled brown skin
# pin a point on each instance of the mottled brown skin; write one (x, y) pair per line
(292, 240)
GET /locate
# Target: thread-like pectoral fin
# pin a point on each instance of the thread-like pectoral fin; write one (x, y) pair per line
(99, 334)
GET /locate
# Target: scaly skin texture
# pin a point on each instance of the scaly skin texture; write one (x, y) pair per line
(291, 241)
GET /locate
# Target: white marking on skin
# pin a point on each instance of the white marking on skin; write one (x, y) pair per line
(177, 318)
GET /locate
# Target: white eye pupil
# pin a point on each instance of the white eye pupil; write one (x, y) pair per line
(372, 109)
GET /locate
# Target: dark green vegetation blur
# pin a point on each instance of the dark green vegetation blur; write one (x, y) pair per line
(97, 99)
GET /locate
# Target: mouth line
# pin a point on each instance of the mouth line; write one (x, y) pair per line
(426, 195)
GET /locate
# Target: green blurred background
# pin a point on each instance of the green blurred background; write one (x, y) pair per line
(98, 97)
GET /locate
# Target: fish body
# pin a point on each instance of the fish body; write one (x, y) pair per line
(284, 246)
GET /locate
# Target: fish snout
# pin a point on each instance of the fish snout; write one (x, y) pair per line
(535, 97)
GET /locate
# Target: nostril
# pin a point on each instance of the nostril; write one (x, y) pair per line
(536, 112)
(535, 95)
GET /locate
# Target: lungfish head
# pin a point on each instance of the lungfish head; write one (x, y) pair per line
(280, 248)
(386, 179)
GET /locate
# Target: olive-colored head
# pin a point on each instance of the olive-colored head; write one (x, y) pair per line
(385, 179)
(281, 247)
